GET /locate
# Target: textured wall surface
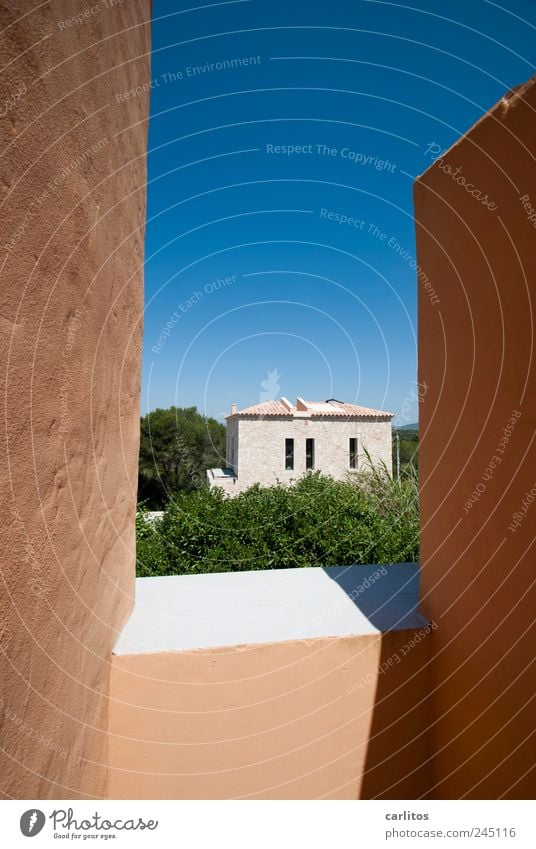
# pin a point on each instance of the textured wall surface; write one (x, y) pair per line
(261, 448)
(305, 719)
(477, 454)
(72, 182)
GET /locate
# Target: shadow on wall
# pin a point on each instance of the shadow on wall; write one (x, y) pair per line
(397, 763)
(478, 459)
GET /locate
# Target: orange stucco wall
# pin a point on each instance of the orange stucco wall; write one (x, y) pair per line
(478, 451)
(72, 189)
(288, 720)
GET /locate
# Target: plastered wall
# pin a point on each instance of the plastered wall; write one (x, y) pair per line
(72, 184)
(477, 456)
(305, 719)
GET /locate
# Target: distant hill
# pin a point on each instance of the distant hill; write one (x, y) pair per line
(414, 426)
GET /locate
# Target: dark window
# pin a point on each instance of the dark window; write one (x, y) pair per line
(309, 453)
(289, 454)
(353, 453)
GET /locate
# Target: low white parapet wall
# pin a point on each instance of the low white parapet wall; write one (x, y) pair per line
(291, 683)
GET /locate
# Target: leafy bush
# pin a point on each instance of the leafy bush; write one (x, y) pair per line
(369, 518)
(151, 558)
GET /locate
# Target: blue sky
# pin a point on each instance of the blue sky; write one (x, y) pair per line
(283, 141)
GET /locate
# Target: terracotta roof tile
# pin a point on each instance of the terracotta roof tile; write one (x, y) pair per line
(266, 408)
(340, 408)
(332, 408)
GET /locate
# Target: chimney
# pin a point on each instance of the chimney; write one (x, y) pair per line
(233, 409)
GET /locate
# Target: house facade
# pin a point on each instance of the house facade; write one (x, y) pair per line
(276, 441)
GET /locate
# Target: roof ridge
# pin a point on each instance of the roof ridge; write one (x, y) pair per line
(332, 406)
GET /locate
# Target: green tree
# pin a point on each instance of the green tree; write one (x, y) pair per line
(177, 446)
(409, 450)
(370, 518)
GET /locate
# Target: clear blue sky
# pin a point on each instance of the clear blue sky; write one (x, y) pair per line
(329, 306)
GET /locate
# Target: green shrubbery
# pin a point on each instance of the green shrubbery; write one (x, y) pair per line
(318, 522)
(409, 449)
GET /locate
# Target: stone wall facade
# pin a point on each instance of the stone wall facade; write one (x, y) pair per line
(259, 448)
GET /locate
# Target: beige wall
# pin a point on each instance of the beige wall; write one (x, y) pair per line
(290, 720)
(71, 241)
(477, 453)
(261, 448)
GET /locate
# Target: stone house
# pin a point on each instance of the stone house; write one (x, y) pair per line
(279, 441)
